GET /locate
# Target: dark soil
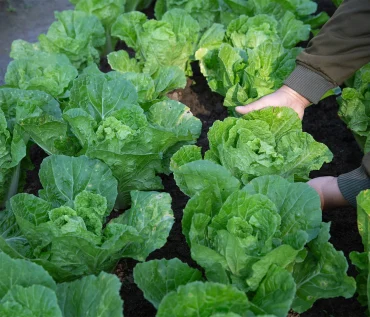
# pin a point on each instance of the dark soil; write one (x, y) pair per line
(320, 120)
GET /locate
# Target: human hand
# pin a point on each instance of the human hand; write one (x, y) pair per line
(284, 96)
(328, 190)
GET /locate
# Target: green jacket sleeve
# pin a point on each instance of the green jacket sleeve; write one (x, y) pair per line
(352, 183)
(341, 48)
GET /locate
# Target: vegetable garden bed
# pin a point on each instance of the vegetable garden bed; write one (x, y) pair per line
(320, 120)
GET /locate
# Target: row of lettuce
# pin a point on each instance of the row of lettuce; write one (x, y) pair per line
(259, 239)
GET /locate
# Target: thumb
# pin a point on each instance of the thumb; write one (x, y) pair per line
(251, 107)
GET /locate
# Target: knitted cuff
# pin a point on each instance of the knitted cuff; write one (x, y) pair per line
(308, 83)
(352, 183)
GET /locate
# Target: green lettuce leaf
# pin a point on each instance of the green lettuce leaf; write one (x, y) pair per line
(250, 32)
(12, 151)
(64, 177)
(101, 95)
(205, 12)
(168, 42)
(322, 274)
(243, 76)
(77, 35)
(157, 278)
(255, 145)
(151, 216)
(262, 236)
(137, 146)
(28, 290)
(354, 106)
(75, 298)
(203, 299)
(64, 228)
(152, 88)
(107, 10)
(49, 72)
(23, 273)
(361, 260)
(35, 300)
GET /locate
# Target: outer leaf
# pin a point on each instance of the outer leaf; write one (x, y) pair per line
(107, 11)
(361, 260)
(157, 278)
(50, 134)
(151, 215)
(169, 42)
(322, 274)
(12, 151)
(18, 104)
(102, 95)
(195, 176)
(75, 34)
(205, 13)
(35, 301)
(276, 292)
(281, 120)
(298, 204)
(203, 299)
(47, 72)
(92, 295)
(259, 145)
(121, 62)
(73, 255)
(127, 28)
(169, 78)
(23, 273)
(63, 178)
(186, 154)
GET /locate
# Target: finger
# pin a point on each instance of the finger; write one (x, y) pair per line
(251, 107)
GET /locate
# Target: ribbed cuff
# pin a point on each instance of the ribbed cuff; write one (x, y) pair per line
(308, 84)
(352, 183)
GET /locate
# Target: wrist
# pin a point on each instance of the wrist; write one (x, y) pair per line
(295, 97)
(329, 192)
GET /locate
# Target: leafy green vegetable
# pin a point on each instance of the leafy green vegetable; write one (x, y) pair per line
(266, 238)
(12, 141)
(270, 141)
(75, 298)
(28, 290)
(64, 227)
(205, 12)
(354, 107)
(208, 12)
(49, 72)
(149, 88)
(103, 120)
(244, 76)
(203, 299)
(77, 35)
(157, 278)
(168, 42)
(249, 32)
(361, 260)
(107, 11)
(322, 273)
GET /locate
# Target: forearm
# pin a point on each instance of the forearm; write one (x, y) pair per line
(341, 48)
(328, 189)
